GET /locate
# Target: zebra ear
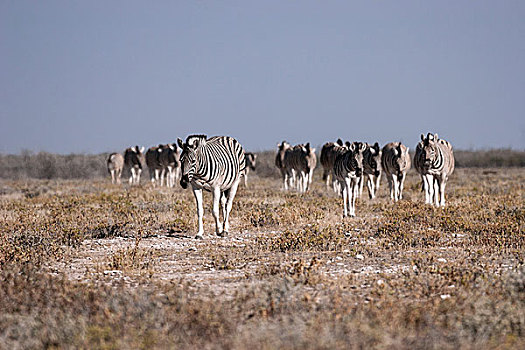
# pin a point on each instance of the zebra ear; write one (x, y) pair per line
(422, 137)
(436, 137)
(180, 143)
(172, 146)
(141, 149)
(339, 142)
(307, 146)
(348, 144)
(362, 146)
(351, 146)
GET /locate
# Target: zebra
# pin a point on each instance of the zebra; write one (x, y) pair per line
(216, 165)
(395, 161)
(282, 149)
(327, 158)
(153, 162)
(299, 163)
(133, 159)
(348, 168)
(115, 165)
(372, 170)
(251, 160)
(434, 161)
(169, 160)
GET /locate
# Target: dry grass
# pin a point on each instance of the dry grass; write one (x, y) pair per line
(84, 264)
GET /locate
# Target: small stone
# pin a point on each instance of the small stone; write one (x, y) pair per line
(360, 257)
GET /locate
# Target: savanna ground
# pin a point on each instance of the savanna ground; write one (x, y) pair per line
(87, 264)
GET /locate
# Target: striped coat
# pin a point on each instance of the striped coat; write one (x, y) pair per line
(395, 161)
(434, 161)
(216, 165)
(348, 168)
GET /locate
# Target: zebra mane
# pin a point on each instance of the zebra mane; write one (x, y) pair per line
(200, 139)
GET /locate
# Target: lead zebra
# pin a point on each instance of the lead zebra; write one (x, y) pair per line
(395, 161)
(348, 168)
(434, 161)
(251, 160)
(133, 159)
(371, 170)
(115, 165)
(299, 163)
(215, 165)
(327, 158)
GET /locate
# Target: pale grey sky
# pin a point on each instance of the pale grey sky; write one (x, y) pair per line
(96, 76)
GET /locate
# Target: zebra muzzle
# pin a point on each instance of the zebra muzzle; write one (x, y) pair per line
(184, 182)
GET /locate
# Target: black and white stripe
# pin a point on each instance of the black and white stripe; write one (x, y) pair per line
(395, 161)
(216, 165)
(434, 161)
(348, 168)
(371, 170)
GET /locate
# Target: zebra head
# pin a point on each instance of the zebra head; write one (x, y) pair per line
(402, 158)
(251, 160)
(429, 149)
(374, 158)
(188, 157)
(356, 157)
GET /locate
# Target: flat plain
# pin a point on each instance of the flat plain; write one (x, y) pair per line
(87, 264)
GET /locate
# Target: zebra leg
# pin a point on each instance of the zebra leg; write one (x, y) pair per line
(216, 199)
(200, 211)
(246, 179)
(361, 184)
(442, 184)
(132, 177)
(401, 185)
(344, 194)
(138, 176)
(354, 188)
(425, 187)
(224, 197)
(231, 195)
(112, 172)
(436, 192)
(378, 180)
(395, 183)
(370, 185)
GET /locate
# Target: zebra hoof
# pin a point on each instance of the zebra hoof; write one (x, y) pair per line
(222, 234)
(199, 237)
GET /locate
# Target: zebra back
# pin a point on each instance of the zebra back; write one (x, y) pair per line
(434, 156)
(395, 159)
(153, 157)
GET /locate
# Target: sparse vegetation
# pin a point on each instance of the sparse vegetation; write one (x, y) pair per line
(87, 264)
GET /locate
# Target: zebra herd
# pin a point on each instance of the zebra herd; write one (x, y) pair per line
(217, 164)
(348, 165)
